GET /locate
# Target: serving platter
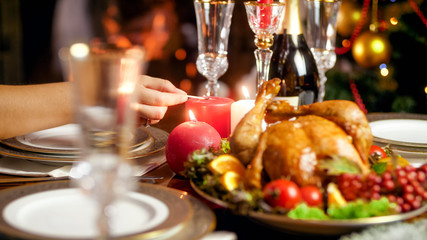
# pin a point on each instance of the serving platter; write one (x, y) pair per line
(316, 227)
(151, 140)
(153, 212)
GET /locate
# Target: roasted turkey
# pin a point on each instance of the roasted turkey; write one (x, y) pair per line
(297, 140)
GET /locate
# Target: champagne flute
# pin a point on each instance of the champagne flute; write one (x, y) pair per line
(264, 19)
(213, 30)
(103, 80)
(321, 36)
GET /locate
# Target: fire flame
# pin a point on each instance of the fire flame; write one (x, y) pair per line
(246, 92)
(191, 115)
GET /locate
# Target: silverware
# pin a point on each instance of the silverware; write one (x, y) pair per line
(151, 179)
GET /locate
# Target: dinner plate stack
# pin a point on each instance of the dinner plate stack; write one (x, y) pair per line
(405, 134)
(60, 144)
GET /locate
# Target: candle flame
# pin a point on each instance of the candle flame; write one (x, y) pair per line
(191, 115)
(246, 92)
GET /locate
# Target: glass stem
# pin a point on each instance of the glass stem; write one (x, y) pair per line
(322, 89)
(103, 222)
(212, 87)
(263, 58)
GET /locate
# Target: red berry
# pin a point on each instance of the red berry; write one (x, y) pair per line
(388, 185)
(375, 196)
(416, 204)
(403, 181)
(391, 198)
(376, 188)
(421, 176)
(387, 176)
(406, 207)
(408, 188)
(411, 176)
(409, 168)
(409, 197)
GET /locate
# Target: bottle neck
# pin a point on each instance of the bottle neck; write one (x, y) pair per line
(293, 22)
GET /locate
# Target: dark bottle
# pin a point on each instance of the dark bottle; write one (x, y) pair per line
(300, 78)
(279, 49)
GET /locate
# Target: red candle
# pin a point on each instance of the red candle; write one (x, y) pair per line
(265, 13)
(215, 111)
(185, 139)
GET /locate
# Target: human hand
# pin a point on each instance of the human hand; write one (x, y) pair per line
(154, 95)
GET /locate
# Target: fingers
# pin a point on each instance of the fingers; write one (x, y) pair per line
(159, 92)
(154, 113)
(160, 85)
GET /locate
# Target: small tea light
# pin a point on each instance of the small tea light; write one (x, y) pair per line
(240, 108)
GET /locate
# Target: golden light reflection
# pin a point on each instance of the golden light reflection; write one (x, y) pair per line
(356, 16)
(377, 46)
(425, 89)
(394, 21)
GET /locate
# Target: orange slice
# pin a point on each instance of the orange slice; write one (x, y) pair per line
(225, 163)
(230, 180)
(334, 195)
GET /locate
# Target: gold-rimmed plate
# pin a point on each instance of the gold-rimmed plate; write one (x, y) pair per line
(186, 217)
(316, 227)
(155, 142)
(62, 140)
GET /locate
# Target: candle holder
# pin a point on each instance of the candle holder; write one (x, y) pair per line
(103, 80)
(264, 19)
(213, 29)
(321, 36)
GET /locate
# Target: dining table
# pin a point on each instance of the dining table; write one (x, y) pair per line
(228, 225)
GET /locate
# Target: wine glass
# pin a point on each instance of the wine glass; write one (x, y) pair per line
(103, 80)
(321, 36)
(264, 19)
(213, 30)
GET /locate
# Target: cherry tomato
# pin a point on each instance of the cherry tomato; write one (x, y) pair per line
(311, 195)
(282, 193)
(377, 151)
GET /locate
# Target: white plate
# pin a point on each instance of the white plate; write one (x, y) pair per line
(68, 213)
(60, 138)
(407, 132)
(188, 218)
